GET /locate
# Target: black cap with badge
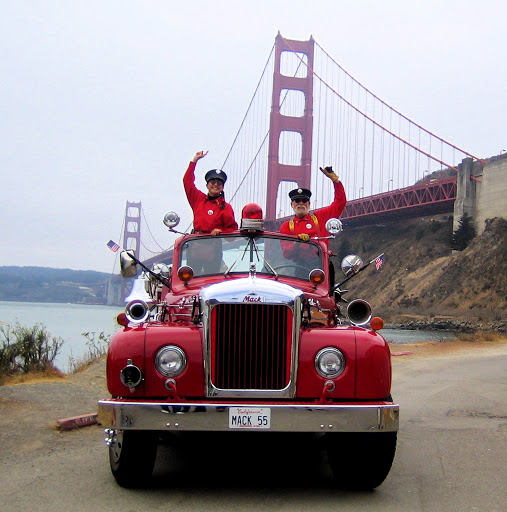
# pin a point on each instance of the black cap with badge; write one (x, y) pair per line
(215, 174)
(300, 193)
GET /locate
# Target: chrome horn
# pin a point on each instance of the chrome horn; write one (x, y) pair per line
(359, 312)
(137, 311)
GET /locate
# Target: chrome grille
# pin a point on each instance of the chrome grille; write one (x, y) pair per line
(251, 346)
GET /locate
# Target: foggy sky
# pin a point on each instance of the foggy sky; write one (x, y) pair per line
(107, 101)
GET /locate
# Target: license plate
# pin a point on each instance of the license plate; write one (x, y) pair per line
(249, 417)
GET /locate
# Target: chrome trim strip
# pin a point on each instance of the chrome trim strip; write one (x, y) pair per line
(215, 417)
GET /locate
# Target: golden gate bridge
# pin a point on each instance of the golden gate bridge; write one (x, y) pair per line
(308, 111)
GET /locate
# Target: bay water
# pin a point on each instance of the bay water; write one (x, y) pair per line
(70, 321)
(66, 321)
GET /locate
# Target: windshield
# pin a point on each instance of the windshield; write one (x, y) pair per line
(239, 254)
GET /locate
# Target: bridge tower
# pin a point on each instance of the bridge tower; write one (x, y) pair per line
(279, 123)
(132, 230)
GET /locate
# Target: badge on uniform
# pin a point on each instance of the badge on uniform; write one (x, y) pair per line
(309, 226)
(210, 212)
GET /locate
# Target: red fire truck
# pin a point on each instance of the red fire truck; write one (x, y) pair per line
(249, 332)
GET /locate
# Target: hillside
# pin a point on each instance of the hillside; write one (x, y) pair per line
(41, 284)
(423, 283)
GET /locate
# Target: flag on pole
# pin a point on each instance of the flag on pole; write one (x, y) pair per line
(113, 246)
(379, 261)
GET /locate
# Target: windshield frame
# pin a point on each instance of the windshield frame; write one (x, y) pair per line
(271, 253)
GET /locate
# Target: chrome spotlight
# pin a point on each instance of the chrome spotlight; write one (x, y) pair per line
(171, 219)
(334, 226)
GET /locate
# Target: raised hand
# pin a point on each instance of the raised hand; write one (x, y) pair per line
(328, 171)
(199, 155)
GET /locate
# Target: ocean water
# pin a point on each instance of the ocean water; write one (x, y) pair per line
(67, 321)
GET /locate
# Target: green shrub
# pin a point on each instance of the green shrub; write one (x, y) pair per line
(27, 349)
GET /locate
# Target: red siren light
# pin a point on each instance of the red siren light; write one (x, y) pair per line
(251, 211)
(251, 218)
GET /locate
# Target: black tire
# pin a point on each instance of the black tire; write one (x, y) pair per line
(132, 457)
(360, 461)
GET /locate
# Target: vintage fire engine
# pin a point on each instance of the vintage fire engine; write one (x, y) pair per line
(248, 332)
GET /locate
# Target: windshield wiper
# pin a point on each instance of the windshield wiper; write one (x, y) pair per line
(251, 246)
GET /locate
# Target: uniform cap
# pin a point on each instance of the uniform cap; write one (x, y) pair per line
(215, 174)
(300, 192)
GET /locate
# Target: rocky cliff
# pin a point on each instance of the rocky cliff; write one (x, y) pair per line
(423, 283)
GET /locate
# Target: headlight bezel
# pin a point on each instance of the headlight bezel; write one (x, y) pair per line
(323, 355)
(181, 360)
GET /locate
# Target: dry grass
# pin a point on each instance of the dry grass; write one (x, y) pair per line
(49, 375)
(80, 365)
(483, 337)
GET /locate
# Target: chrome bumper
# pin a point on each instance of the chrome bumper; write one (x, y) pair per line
(150, 415)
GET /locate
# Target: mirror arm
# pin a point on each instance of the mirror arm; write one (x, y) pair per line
(351, 276)
(355, 273)
(157, 277)
(177, 232)
(323, 237)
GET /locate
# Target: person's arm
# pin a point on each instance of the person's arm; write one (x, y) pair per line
(193, 194)
(335, 209)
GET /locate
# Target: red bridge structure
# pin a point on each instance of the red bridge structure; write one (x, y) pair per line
(320, 115)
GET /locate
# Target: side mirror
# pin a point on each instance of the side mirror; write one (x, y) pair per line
(128, 267)
(334, 226)
(351, 264)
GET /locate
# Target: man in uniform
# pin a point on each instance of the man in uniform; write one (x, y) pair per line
(306, 224)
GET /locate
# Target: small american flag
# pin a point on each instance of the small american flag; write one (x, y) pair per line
(113, 246)
(379, 261)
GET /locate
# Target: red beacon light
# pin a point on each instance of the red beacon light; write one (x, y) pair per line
(251, 218)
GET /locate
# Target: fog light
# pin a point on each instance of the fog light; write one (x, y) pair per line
(131, 375)
(330, 362)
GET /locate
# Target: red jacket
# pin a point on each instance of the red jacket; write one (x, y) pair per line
(208, 213)
(307, 223)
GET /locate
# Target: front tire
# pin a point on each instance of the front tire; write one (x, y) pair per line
(132, 456)
(362, 460)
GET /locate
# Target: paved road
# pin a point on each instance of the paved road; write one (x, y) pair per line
(451, 455)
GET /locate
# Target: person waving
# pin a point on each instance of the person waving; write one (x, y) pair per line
(212, 214)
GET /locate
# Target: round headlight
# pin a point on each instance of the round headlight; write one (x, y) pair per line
(330, 362)
(170, 361)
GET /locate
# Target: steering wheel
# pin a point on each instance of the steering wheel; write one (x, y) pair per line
(297, 267)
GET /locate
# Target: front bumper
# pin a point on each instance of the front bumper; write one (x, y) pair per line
(197, 416)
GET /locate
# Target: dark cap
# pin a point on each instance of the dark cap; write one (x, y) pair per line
(215, 174)
(300, 193)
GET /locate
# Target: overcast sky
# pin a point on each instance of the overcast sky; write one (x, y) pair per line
(104, 101)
